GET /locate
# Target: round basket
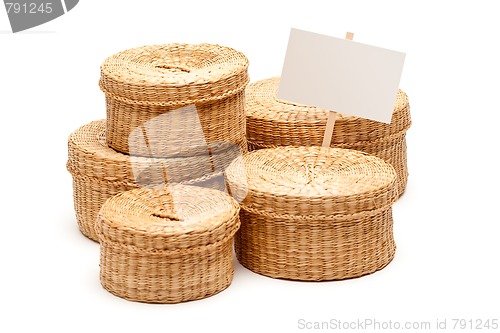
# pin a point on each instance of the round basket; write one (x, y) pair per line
(272, 122)
(314, 213)
(173, 90)
(167, 245)
(100, 172)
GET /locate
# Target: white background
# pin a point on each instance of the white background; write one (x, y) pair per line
(446, 225)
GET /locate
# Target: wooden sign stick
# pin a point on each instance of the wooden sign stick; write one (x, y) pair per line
(330, 122)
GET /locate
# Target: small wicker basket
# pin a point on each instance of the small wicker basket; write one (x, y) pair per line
(100, 172)
(144, 83)
(314, 213)
(167, 245)
(272, 122)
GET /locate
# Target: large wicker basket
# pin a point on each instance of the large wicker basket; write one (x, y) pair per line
(100, 172)
(272, 122)
(171, 90)
(167, 245)
(314, 213)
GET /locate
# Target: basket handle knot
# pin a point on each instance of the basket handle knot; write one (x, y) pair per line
(166, 214)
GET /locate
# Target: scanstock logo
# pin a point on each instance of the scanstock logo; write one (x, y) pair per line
(28, 14)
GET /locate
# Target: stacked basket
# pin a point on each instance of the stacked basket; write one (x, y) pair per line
(175, 116)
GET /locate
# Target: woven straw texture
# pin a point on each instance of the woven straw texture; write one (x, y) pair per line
(144, 83)
(100, 172)
(314, 213)
(272, 122)
(167, 245)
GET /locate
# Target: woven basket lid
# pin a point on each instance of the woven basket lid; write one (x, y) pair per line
(90, 156)
(173, 218)
(312, 181)
(271, 121)
(174, 74)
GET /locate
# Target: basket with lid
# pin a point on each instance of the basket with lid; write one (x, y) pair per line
(314, 213)
(167, 245)
(158, 82)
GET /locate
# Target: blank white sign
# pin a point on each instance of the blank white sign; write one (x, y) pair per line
(341, 75)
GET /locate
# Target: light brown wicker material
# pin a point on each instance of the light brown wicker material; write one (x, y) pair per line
(167, 245)
(100, 172)
(272, 122)
(143, 83)
(314, 213)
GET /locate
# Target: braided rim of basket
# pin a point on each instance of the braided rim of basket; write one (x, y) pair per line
(313, 182)
(174, 74)
(170, 220)
(89, 156)
(264, 109)
(358, 145)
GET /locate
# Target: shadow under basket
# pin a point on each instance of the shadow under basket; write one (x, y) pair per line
(314, 213)
(167, 245)
(99, 172)
(272, 122)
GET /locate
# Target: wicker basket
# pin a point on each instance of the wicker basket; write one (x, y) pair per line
(159, 86)
(100, 172)
(272, 122)
(167, 245)
(314, 213)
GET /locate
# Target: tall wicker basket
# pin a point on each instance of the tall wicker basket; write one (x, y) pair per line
(99, 172)
(167, 91)
(167, 245)
(314, 213)
(272, 122)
